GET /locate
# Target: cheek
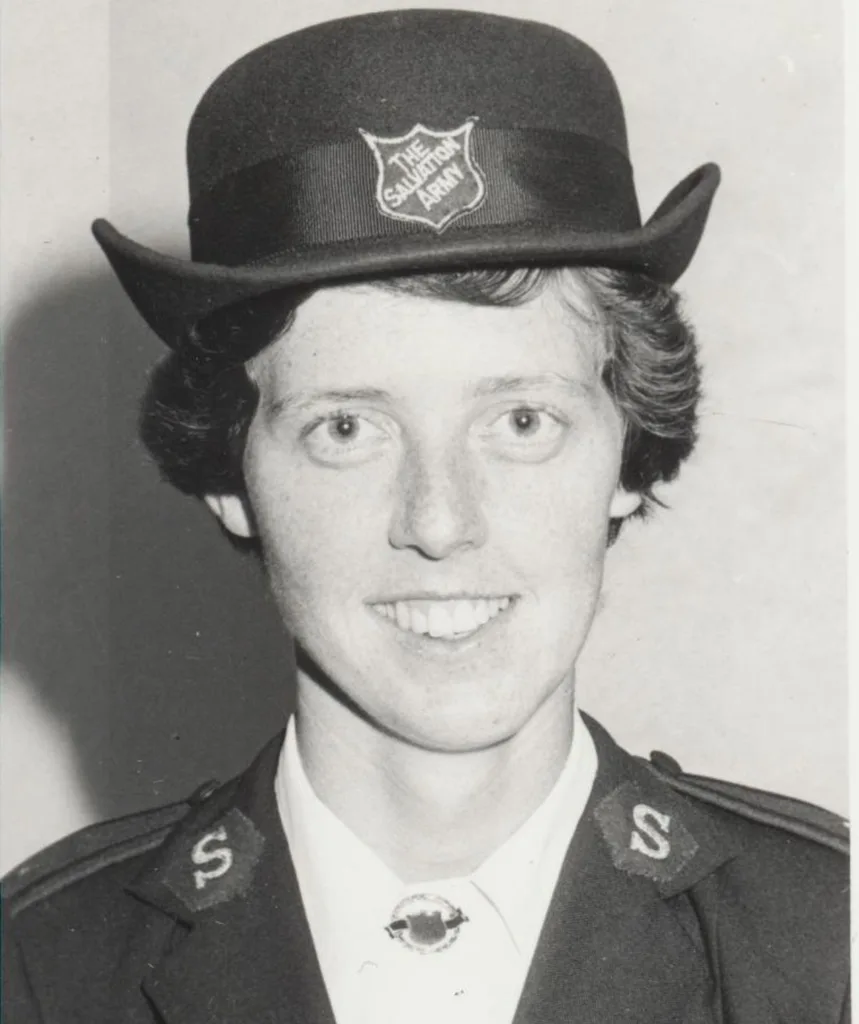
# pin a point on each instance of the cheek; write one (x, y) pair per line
(559, 511)
(315, 526)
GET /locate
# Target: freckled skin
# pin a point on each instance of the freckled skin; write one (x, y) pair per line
(429, 482)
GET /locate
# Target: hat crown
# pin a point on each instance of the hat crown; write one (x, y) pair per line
(389, 71)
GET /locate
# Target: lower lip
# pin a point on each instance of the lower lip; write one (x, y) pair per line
(425, 643)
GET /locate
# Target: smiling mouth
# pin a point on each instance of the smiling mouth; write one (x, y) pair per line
(450, 619)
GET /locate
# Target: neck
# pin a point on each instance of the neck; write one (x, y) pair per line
(429, 814)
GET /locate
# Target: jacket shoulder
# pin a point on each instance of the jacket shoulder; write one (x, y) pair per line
(780, 900)
(91, 850)
(795, 817)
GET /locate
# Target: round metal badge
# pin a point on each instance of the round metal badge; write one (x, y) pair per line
(426, 923)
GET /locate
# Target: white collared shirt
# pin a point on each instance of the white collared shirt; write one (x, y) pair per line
(349, 896)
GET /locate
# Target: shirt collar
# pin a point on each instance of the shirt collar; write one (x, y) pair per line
(349, 892)
(519, 877)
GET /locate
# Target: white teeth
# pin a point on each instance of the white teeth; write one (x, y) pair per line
(418, 622)
(464, 617)
(443, 619)
(439, 620)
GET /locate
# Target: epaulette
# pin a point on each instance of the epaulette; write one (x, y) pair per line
(81, 854)
(794, 816)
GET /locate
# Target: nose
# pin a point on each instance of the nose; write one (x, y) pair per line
(437, 506)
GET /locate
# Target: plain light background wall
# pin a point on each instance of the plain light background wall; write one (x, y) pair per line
(141, 654)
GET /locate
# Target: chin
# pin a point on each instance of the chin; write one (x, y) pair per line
(458, 699)
(458, 738)
(463, 722)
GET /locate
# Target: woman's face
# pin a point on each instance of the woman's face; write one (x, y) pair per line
(432, 482)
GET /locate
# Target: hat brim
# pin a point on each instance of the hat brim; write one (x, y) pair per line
(171, 293)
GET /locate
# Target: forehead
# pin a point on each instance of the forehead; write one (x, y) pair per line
(368, 334)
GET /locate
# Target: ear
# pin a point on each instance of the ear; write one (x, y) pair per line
(234, 512)
(624, 503)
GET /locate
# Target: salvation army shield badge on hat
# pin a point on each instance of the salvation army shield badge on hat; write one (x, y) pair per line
(427, 176)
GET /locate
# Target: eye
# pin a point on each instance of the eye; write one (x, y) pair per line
(525, 422)
(344, 427)
(526, 433)
(342, 438)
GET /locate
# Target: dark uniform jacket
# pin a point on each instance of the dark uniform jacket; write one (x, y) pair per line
(680, 900)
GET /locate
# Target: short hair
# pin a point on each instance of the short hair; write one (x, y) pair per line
(199, 403)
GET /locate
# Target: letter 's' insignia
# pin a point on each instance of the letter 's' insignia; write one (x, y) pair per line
(644, 838)
(427, 177)
(205, 851)
(218, 864)
(650, 835)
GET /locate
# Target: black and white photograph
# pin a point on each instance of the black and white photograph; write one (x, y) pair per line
(424, 512)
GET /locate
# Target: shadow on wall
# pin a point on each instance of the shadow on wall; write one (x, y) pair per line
(125, 608)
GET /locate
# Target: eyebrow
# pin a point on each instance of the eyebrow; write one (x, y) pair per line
(504, 385)
(302, 399)
(485, 387)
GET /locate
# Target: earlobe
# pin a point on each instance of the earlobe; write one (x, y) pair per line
(624, 503)
(234, 513)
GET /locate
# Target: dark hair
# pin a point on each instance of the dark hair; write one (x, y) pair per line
(198, 405)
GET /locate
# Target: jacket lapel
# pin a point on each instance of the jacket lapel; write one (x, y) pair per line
(242, 949)
(621, 941)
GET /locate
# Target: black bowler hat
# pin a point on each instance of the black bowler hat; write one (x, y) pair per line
(406, 141)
